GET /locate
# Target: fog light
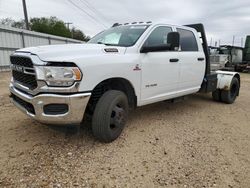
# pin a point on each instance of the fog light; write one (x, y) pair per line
(55, 109)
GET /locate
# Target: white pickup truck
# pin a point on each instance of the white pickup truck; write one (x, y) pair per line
(121, 68)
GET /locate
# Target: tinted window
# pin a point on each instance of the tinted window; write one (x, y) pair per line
(187, 40)
(158, 36)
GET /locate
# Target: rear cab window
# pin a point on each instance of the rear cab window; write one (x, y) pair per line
(188, 42)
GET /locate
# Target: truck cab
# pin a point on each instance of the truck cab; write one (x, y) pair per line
(126, 66)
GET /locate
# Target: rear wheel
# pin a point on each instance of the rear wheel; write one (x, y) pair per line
(110, 116)
(229, 96)
(217, 95)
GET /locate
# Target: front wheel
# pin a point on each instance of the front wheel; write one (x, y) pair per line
(110, 116)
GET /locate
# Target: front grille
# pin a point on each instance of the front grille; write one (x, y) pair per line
(29, 107)
(27, 80)
(24, 73)
(214, 59)
(21, 61)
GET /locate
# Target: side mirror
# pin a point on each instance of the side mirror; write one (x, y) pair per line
(174, 40)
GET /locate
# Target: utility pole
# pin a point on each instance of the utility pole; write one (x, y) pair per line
(25, 15)
(233, 40)
(242, 41)
(68, 23)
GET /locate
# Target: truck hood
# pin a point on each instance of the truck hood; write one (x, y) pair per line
(68, 52)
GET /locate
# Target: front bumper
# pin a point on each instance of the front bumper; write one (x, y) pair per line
(77, 104)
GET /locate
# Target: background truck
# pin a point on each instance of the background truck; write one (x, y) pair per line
(226, 57)
(246, 57)
(230, 58)
(217, 60)
(121, 68)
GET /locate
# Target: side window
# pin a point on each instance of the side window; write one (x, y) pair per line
(158, 36)
(187, 40)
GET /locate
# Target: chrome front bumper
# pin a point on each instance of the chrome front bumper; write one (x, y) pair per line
(77, 104)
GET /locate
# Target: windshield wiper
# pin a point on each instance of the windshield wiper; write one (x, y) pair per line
(105, 44)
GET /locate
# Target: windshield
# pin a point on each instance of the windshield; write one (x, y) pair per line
(120, 36)
(224, 51)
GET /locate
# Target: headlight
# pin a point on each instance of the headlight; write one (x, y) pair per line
(58, 76)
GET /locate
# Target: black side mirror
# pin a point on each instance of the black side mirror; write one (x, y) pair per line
(174, 40)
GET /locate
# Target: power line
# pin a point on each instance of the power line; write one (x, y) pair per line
(93, 9)
(85, 12)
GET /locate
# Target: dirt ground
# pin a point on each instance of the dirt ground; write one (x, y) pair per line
(194, 143)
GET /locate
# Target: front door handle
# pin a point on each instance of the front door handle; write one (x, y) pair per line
(174, 60)
(201, 59)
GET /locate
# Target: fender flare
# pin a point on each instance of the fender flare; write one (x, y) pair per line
(225, 78)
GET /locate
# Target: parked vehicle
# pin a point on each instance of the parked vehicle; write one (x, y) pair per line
(124, 67)
(247, 49)
(247, 53)
(230, 58)
(217, 61)
(226, 57)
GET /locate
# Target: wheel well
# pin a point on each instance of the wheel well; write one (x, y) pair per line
(120, 84)
(238, 77)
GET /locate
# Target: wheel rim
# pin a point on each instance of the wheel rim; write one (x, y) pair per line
(118, 116)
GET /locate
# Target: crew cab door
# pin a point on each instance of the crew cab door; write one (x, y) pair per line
(192, 62)
(160, 70)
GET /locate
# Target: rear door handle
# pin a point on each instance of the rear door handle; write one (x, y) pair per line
(201, 59)
(174, 60)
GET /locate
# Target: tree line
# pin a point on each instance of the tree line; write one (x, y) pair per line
(51, 25)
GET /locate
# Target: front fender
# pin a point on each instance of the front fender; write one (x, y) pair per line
(93, 74)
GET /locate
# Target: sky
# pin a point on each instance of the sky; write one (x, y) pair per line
(223, 19)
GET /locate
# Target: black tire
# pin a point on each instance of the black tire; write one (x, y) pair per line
(229, 96)
(217, 95)
(110, 116)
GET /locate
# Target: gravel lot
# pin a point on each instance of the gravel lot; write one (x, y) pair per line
(194, 143)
